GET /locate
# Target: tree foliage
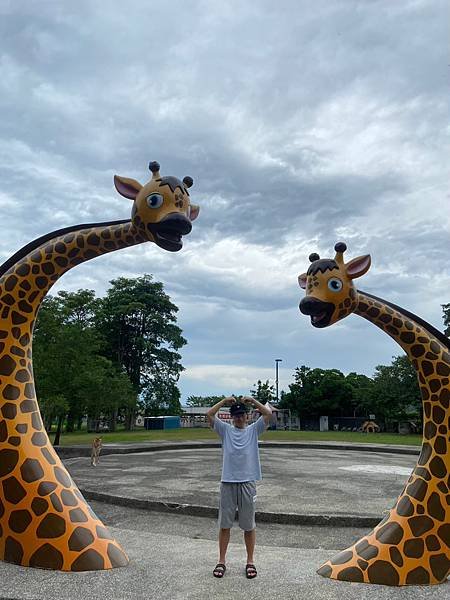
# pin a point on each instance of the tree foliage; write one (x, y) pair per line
(137, 321)
(203, 400)
(318, 392)
(395, 394)
(263, 392)
(392, 394)
(69, 367)
(103, 357)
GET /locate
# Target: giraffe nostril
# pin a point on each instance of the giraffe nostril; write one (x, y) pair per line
(308, 305)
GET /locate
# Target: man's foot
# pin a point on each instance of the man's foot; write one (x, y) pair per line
(250, 571)
(219, 570)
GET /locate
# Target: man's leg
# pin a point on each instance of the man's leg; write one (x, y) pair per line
(246, 507)
(250, 540)
(224, 539)
(227, 510)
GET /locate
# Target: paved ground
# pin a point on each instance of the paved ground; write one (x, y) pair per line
(296, 480)
(172, 558)
(172, 555)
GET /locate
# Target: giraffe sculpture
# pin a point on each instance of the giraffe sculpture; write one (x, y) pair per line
(44, 520)
(411, 545)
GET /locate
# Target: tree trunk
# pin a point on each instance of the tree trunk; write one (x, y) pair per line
(130, 419)
(58, 431)
(48, 422)
(113, 420)
(70, 422)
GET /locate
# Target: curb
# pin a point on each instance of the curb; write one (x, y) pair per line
(81, 451)
(209, 511)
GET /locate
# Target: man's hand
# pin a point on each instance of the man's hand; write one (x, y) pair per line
(228, 401)
(248, 400)
(265, 411)
(215, 409)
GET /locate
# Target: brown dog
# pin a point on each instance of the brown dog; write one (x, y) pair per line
(95, 453)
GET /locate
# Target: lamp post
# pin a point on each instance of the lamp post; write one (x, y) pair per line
(277, 360)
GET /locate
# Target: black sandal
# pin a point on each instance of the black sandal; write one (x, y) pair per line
(250, 571)
(219, 570)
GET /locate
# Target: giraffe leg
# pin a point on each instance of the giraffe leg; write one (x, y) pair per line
(44, 520)
(399, 551)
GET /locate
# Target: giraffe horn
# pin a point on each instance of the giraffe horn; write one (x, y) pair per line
(340, 248)
(154, 168)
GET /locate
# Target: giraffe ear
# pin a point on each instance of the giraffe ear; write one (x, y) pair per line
(129, 188)
(302, 281)
(193, 212)
(358, 266)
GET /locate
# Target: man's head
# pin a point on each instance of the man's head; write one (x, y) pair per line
(238, 412)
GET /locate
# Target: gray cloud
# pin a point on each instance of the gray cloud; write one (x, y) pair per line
(300, 127)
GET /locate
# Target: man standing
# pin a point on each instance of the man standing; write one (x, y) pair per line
(240, 470)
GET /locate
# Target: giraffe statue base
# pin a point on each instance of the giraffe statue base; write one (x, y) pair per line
(407, 547)
(44, 520)
(412, 545)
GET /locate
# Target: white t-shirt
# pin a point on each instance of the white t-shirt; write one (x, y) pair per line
(240, 451)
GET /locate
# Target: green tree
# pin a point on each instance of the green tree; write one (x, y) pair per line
(77, 307)
(106, 391)
(318, 392)
(72, 377)
(63, 351)
(162, 397)
(395, 393)
(137, 320)
(54, 407)
(263, 392)
(361, 393)
(203, 400)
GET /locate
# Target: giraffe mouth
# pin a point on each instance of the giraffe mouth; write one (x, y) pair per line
(320, 312)
(318, 318)
(168, 232)
(322, 319)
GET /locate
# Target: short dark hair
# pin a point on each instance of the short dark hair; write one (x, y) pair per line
(238, 408)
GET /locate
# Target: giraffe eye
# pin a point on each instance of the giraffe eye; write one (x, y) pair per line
(335, 284)
(154, 200)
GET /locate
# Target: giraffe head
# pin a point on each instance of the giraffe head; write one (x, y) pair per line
(161, 209)
(330, 292)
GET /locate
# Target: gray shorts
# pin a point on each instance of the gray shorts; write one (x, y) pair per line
(240, 497)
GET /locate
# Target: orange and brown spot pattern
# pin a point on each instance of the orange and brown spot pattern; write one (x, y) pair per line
(411, 546)
(44, 520)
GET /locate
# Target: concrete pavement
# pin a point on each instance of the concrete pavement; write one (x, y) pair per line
(172, 553)
(172, 558)
(300, 485)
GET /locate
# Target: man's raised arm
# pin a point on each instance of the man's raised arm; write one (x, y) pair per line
(214, 409)
(265, 411)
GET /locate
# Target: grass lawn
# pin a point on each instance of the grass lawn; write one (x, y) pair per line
(186, 434)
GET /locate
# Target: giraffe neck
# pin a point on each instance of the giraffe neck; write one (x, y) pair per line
(28, 275)
(411, 545)
(429, 353)
(23, 286)
(44, 520)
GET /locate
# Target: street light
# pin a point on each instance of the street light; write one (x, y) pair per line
(277, 360)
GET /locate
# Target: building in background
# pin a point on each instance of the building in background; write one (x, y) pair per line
(195, 416)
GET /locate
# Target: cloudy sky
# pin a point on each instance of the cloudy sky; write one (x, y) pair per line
(301, 123)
